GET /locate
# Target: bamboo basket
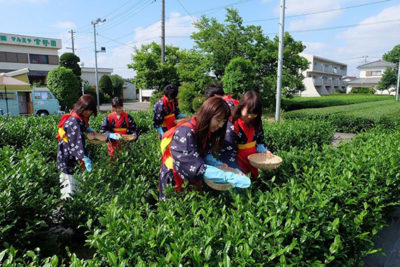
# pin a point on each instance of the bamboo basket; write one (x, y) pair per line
(128, 137)
(97, 138)
(221, 186)
(264, 162)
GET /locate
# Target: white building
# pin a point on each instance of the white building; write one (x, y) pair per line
(129, 91)
(323, 76)
(38, 54)
(89, 74)
(370, 74)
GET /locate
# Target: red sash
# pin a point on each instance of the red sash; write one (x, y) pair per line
(65, 117)
(114, 145)
(228, 98)
(167, 154)
(246, 149)
(118, 122)
(169, 120)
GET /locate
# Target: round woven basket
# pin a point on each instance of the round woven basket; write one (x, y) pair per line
(97, 138)
(128, 137)
(264, 162)
(221, 186)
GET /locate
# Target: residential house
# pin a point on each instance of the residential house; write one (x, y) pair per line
(370, 74)
(323, 76)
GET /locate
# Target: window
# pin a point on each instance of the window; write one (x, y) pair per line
(10, 96)
(38, 59)
(42, 95)
(376, 73)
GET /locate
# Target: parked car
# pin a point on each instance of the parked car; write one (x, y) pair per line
(39, 101)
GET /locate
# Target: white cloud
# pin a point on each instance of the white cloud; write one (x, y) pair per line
(315, 48)
(298, 7)
(373, 39)
(176, 25)
(118, 56)
(65, 25)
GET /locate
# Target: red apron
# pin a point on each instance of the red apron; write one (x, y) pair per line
(169, 120)
(167, 155)
(246, 149)
(114, 145)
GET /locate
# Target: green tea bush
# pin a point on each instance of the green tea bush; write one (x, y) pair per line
(296, 133)
(353, 118)
(327, 212)
(29, 192)
(296, 102)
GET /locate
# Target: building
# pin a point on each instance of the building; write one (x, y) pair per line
(89, 74)
(323, 76)
(129, 91)
(370, 74)
(38, 54)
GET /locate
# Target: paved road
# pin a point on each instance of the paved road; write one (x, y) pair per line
(131, 106)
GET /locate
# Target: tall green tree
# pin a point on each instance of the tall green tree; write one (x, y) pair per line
(194, 68)
(105, 85)
(239, 77)
(393, 55)
(64, 85)
(117, 84)
(388, 80)
(150, 72)
(70, 61)
(221, 42)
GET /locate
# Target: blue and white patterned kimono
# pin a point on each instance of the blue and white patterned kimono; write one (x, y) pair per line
(188, 162)
(69, 153)
(159, 112)
(228, 154)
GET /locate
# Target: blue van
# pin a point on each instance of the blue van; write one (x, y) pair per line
(39, 101)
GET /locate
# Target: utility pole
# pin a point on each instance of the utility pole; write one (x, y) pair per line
(162, 31)
(365, 59)
(97, 21)
(72, 40)
(397, 86)
(280, 61)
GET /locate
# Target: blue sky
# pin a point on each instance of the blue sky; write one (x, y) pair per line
(348, 31)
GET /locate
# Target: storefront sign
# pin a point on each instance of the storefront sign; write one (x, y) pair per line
(14, 39)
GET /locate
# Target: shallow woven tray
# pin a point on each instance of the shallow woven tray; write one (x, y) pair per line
(97, 139)
(221, 186)
(264, 162)
(128, 137)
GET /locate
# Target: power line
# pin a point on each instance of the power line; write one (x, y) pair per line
(187, 12)
(125, 18)
(339, 26)
(320, 12)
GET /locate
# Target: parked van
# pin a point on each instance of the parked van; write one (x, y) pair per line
(39, 101)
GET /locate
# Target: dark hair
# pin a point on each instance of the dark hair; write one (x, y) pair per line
(85, 102)
(214, 106)
(214, 89)
(171, 91)
(251, 100)
(117, 102)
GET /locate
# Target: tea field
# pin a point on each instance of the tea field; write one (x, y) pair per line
(322, 206)
(355, 117)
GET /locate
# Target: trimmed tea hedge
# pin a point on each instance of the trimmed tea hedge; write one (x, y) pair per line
(354, 118)
(328, 101)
